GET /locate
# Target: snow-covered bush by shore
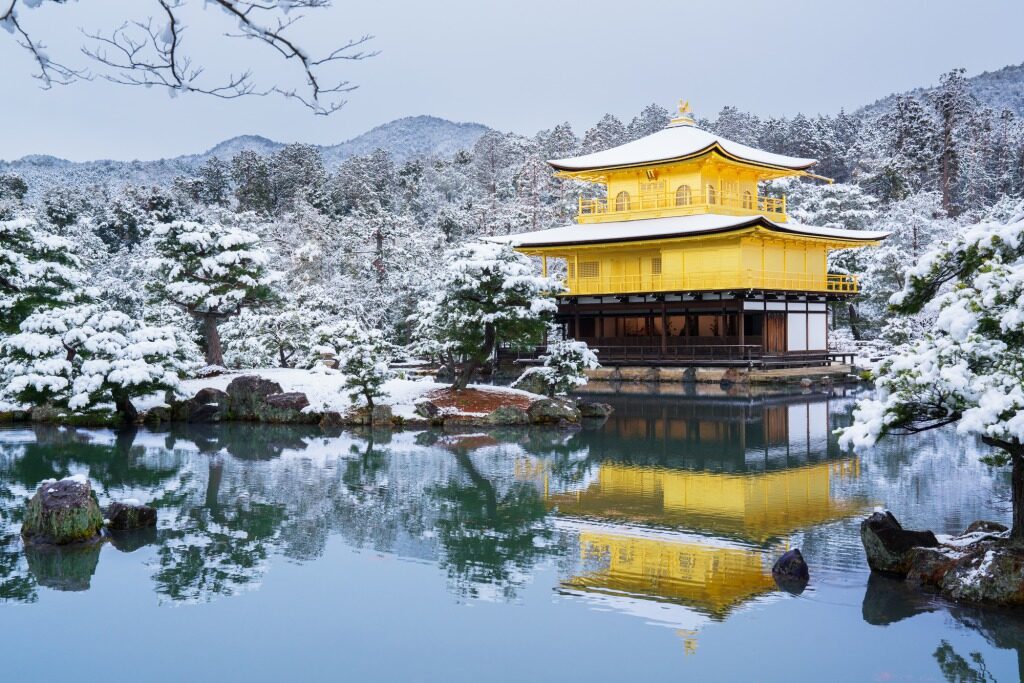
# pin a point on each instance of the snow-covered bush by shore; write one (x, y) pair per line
(363, 355)
(83, 356)
(564, 367)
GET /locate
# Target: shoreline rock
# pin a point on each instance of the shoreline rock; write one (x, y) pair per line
(251, 398)
(978, 566)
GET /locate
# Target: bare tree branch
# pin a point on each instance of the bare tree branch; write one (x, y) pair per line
(150, 52)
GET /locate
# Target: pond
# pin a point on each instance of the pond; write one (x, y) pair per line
(641, 546)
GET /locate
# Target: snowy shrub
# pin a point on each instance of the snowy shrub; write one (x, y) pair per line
(565, 363)
(363, 355)
(968, 368)
(82, 356)
(211, 271)
(489, 295)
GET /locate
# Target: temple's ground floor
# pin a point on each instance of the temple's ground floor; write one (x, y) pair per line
(716, 329)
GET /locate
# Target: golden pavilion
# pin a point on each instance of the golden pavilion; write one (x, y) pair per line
(687, 260)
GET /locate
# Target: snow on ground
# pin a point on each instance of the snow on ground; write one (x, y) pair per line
(325, 389)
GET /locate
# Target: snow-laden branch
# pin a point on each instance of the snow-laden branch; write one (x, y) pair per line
(152, 52)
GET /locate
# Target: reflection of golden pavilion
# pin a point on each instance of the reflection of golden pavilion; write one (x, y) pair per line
(711, 576)
(621, 560)
(757, 507)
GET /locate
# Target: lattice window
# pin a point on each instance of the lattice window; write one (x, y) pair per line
(622, 201)
(712, 194)
(590, 269)
(656, 265)
(683, 195)
(570, 268)
(748, 200)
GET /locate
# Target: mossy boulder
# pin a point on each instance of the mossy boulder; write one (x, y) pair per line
(889, 547)
(553, 411)
(533, 380)
(594, 409)
(507, 415)
(130, 514)
(248, 395)
(63, 512)
(286, 407)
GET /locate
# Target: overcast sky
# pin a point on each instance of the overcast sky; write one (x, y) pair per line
(519, 66)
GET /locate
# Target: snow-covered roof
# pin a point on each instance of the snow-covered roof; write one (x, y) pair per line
(677, 141)
(673, 226)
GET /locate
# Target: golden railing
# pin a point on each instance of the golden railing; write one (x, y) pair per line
(750, 279)
(669, 204)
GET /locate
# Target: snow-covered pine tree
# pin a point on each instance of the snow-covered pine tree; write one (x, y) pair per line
(37, 270)
(953, 103)
(651, 119)
(488, 296)
(253, 188)
(968, 368)
(607, 133)
(211, 271)
(363, 355)
(215, 182)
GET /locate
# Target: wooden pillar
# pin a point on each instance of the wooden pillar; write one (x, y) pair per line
(664, 327)
(544, 265)
(740, 325)
(576, 318)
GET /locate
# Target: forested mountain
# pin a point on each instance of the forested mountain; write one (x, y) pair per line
(414, 136)
(1000, 89)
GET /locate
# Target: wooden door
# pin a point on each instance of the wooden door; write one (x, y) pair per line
(775, 332)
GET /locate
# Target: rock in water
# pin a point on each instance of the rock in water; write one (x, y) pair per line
(889, 546)
(553, 411)
(986, 527)
(248, 395)
(594, 409)
(62, 512)
(130, 514)
(791, 566)
(790, 572)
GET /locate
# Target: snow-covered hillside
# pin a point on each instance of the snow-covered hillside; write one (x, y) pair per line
(406, 138)
(1000, 89)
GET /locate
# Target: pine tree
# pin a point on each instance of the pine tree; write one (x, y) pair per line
(953, 103)
(363, 359)
(37, 270)
(489, 295)
(211, 271)
(297, 173)
(253, 189)
(607, 133)
(215, 182)
(650, 120)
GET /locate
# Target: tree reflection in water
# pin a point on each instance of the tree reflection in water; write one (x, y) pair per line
(889, 600)
(491, 534)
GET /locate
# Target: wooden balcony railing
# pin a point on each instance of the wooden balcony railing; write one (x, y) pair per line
(669, 204)
(690, 282)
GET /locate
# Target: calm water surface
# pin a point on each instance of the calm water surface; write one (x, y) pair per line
(640, 547)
